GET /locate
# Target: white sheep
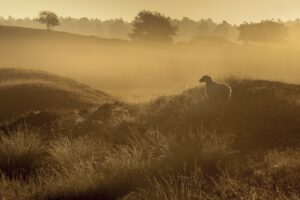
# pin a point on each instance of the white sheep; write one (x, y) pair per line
(218, 93)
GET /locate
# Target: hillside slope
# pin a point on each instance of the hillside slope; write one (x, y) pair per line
(13, 32)
(25, 90)
(261, 114)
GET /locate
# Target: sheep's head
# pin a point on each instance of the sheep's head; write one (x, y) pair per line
(205, 79)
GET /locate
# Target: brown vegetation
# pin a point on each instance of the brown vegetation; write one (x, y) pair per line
(174, 147)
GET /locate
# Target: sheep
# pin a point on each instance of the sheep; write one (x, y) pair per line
(218, 93)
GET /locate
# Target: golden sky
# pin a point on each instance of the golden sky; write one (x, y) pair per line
(235, 11)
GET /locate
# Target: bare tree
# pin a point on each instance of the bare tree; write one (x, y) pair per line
(48, 18)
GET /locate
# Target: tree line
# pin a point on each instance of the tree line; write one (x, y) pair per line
(156, 27)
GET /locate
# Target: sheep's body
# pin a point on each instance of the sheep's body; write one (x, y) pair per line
(216, 92)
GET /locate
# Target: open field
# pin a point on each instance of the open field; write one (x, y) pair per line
(119, 64)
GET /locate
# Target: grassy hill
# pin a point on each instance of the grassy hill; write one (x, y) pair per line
(261, 115)
(20, 33)
(174, 147)
(28, 90)
(60, 53)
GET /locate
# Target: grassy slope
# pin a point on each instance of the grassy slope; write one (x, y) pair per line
(175, 147)
(25, 90)
(12, 32)
(61, 53)
(261, 114)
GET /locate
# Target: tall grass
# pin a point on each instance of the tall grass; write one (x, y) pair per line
(64, 152)
(259, 181)
(197, 149)
(79, 182)
(171, 188)
(20, 153)
(16, 189)
(84, 172)
(174, 148)
(79, 170)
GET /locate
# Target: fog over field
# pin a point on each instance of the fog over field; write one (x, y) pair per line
(121, 64)
(150, 105)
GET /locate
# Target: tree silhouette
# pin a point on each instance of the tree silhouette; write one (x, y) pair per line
(152, 26)
(118, 28)
(206, 27)
(187, 28)
(226, 30)
(48, 18)
(267, 31)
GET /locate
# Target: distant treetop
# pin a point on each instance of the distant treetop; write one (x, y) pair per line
(152, 26)
(48, 18)
(268, 31)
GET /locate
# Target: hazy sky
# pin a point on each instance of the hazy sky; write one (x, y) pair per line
(235, 11)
